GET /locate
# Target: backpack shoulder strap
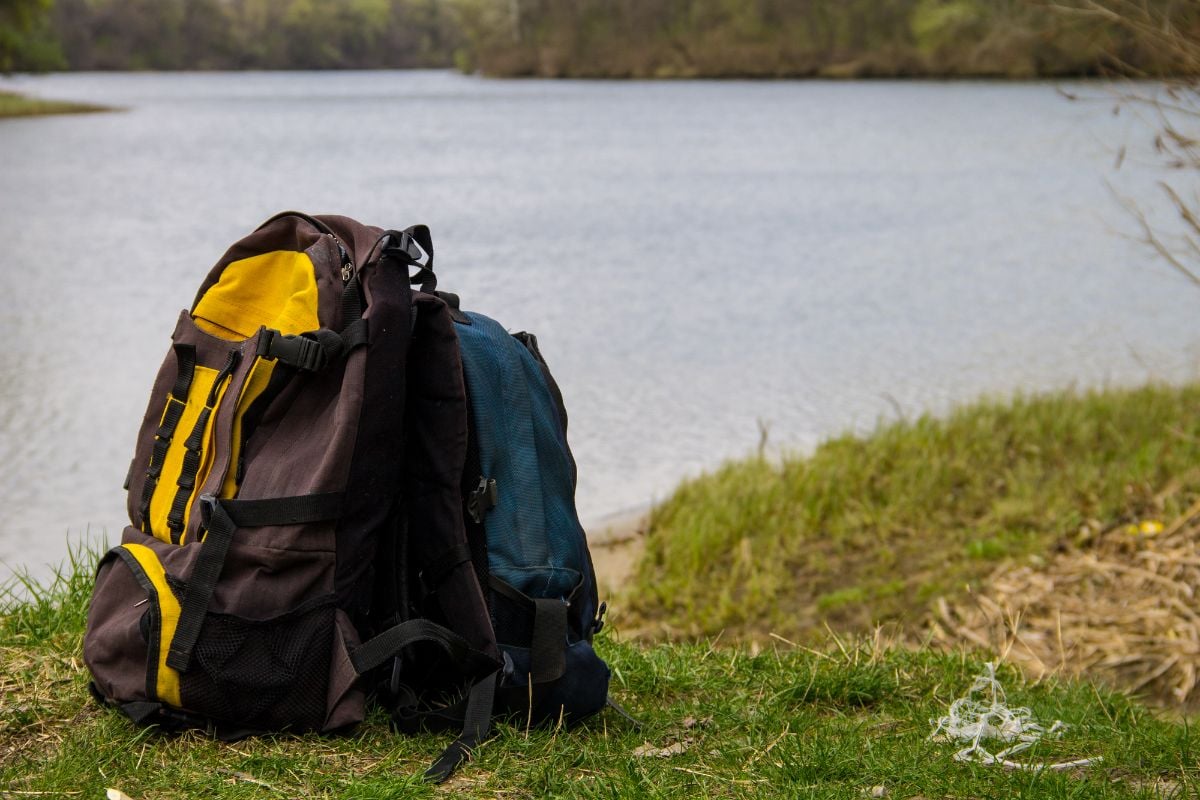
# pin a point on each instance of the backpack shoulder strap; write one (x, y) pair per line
(435, 451)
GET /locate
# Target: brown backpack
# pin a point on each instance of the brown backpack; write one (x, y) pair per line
(305, 430)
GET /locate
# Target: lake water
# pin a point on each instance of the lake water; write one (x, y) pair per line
(696, 258)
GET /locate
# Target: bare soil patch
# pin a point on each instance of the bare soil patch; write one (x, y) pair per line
(616, 544)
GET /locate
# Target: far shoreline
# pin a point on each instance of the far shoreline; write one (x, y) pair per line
(665, 78)
(15, 105)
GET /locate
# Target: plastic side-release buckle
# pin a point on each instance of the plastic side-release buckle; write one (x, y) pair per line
(483, 498)
(404, 245)
(297, 350)
(598, 624)
(207, 503)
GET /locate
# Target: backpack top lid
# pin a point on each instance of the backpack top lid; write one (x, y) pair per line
(277, 289)
(287, 275)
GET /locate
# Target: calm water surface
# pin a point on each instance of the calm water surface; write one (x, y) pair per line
(696, 258)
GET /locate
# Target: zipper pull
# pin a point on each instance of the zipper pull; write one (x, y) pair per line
(347, 262)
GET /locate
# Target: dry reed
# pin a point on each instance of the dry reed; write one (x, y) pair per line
(1120, 605)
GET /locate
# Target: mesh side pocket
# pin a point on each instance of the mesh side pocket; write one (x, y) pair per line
(270, 674)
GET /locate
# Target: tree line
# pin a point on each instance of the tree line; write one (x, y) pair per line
(831, 38)
(231, 34)
(595, 38)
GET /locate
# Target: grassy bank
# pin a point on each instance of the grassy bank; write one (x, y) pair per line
(874, 528)
(17, 105)
(847, 722)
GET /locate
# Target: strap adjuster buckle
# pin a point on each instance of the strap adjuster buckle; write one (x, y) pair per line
(404, 245)
(484, 497)
(299, 351)
(207, 503)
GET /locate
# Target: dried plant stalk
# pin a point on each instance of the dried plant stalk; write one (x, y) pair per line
(1122, 608)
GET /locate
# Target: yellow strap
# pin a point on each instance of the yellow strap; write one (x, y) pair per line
(168, 612)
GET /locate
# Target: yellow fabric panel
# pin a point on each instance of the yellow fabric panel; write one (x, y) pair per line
(164, 492)
(276, 289)
(207, 458)
(256, 384)
(168, 612)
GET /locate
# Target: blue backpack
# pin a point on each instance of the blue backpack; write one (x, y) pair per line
(519, 490)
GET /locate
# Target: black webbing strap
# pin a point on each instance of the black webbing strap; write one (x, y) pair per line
(548, 647)
(141, 713)
(222, 518)
(476, 725)
(548, 650)
(378, 649)
(193, 448)
(352, 301)
(617, 708)
(165, 432)
(354, 335)
(185, 357)
(283, 510)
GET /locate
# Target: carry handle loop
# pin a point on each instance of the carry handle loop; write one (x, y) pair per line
(413, 246)
(310, 219)
(425, 276)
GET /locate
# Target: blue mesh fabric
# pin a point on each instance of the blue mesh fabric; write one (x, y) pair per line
(535, 541)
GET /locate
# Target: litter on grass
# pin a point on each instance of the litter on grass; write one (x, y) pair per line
(983, 714)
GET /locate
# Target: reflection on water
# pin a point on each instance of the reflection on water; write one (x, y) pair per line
(695, 257)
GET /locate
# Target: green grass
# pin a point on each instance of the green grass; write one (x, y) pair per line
(872, 528)
(785, 722)
(16, 105)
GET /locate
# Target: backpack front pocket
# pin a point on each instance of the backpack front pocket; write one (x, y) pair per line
(282, 670)
(269, 674)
